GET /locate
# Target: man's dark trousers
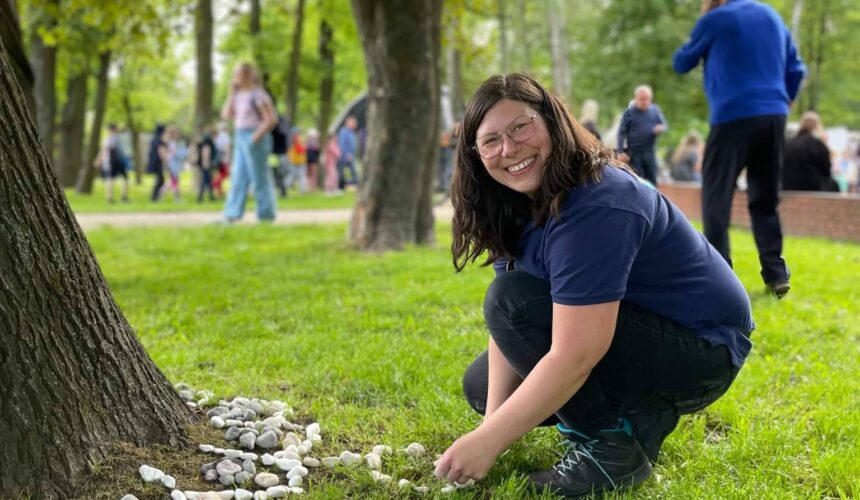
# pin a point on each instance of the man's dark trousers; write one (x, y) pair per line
(757, 144)
(644, 162)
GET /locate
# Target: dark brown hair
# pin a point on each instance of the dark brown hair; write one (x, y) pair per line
(490, 217)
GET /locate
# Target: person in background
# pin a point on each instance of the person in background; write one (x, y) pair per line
(253, 115)
(588, 116)
(807, 158)
(752, 75)
(223, 143)
(283, 170)
(299, 160)
(347, 142)
(112, 161)
(205, 157)
(158, 159)
(641, 124)
(686, 160)
(177, 151)
(313, 148)
(331, 157)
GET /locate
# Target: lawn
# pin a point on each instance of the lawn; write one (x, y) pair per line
(139, 200)
(374, 346)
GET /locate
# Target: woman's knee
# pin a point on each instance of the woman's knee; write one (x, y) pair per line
(510, 292)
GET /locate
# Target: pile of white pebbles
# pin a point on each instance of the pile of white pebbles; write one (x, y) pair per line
(263, 435)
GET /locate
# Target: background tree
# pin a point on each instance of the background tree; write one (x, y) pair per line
(203, 89)
(561, 81)
(43, 56)
(401, 47)
(295, 63)
(75, 379)
(10, 33)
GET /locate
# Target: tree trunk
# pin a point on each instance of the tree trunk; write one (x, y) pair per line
(10, 34)
(558, 50)
(454, 72)
(44, 60)
(75, 378)
(796, 15)
(135, 138)
(523, 38)
(88, 171)
(254, 28)
(295, 62)
(203, 91)
(504, 53)
(818, 56)
(72, 129)
(326, 80)
(401, 46)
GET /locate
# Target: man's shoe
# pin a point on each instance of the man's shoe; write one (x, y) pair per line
(779, 288)
(608, 460)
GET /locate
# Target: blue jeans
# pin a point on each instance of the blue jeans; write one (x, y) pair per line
(249, 167)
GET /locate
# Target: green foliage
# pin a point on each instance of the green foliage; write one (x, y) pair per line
(374, 347)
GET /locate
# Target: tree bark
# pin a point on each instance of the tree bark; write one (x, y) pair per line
(295, 62)
(796, 16)
(75, 378)
(558, 49)
(72, 129)
(10, 34)
(254, 28)
(203, 89)
(401, 46)
(504, 53)
(523, 38)
(88, 171)
(326, 80)
(44, 59)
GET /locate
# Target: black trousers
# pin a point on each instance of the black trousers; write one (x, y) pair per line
(159, 183)
(756, 143)
(644, 162)
(655, 370)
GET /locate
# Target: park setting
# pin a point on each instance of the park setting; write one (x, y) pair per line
(511, 249)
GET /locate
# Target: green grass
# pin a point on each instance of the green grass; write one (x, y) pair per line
(139, 199)
(374, 346)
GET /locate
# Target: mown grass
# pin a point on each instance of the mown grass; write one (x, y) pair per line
(139, 199)
(374, 346)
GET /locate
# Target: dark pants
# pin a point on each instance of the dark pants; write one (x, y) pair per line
(755, 143)
(644, 162)
(159, 183)
(205, 184)
(342, 166)
(655, 370)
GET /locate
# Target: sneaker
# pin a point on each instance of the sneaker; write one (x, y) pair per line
(608, 460)
(651, 429)
(779, 289)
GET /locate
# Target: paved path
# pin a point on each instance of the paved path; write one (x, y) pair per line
(443, 213)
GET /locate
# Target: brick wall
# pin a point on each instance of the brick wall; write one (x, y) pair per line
(802, 213)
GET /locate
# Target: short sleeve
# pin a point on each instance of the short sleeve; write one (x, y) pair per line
(589, 254)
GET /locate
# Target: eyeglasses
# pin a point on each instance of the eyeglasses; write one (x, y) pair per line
(521, 129)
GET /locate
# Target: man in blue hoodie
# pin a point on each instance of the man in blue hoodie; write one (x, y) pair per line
(752, 75)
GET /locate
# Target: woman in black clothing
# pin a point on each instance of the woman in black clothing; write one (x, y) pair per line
(157, 160)
(807, 159)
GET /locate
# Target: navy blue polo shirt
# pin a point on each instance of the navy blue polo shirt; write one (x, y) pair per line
(619, 239)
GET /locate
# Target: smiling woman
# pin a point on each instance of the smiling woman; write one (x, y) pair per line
(609, 316)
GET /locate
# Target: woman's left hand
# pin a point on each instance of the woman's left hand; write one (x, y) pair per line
(470, 457)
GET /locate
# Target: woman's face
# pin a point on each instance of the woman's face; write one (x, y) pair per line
(519, 165)
(241, 78)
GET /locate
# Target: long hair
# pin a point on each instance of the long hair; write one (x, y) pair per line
(690, 140)
(490, 217)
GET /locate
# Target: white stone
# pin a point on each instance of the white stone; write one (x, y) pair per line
(310, 462)
(347, 458)
(247, 441)
(225, 467)
(290, 455)
(295, 481)
(380, 477)
(448, 489)
(381, 449)
(302, 450)
(249, 456)
(234, 422)
(296, 490)
(331, 461)
(225, 494)
(206, 448)
(468, 484)
(313, 428)
(288, 464)
(277, 491)
(268, 459)
(292, 448)
(373, 460)
(297, 471)
(218, 451)
(307, 443)
(150, 474)
(243, 494)
(422, 489)
(315, 438)
(415, 450)
(260, 495)
(169, 482)
(292, 438)
(128, 497)
(232, 453)
(177, 495)
(403, 483)
(266, 479)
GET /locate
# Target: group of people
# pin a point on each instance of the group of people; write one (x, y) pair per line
(610, 316)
